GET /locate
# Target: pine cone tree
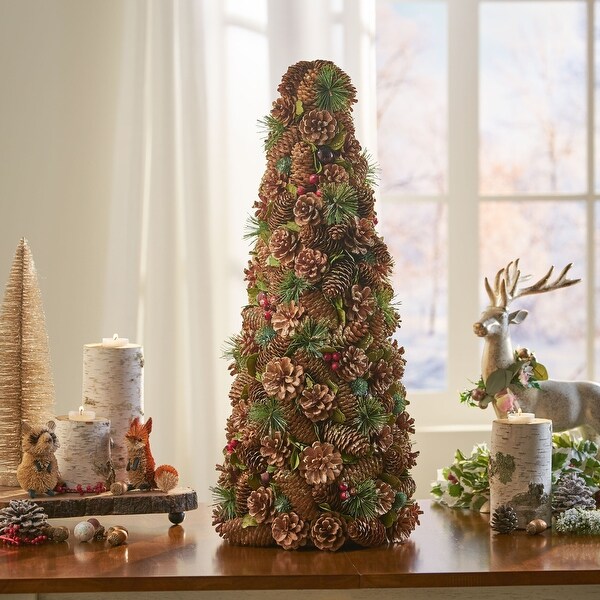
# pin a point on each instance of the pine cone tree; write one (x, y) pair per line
(25, 515)
(290, 531)
(283, 379)
(328, 532)
(353, 363)
(275, 449)
(320, 463)
(571, 491)
(318, 402)
(308, 210)
(310, 264)
(504, 519)
(367, 532)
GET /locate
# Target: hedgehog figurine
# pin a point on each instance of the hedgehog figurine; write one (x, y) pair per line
(38, 472)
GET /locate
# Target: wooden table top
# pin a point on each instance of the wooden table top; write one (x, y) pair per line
(450, 548)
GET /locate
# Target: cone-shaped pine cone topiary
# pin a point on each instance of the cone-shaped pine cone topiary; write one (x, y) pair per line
(318, 442)
(572, 491)
(504, 519)
(24, 517)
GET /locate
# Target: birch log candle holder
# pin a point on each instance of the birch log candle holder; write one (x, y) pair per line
(84, 453)
(520, 469)
(113, 386)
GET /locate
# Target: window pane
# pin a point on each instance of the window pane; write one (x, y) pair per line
(541, 234)
(532, 97)
(416, 234)
(411, 96)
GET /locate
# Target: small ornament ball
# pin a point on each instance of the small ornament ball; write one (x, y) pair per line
(84, 531)
(325, 154)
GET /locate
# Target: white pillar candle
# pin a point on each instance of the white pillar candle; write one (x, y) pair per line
(520, 470)
(82, 415)
(113, 386)
(84, 453)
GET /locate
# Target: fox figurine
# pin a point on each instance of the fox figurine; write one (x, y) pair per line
(141, 466)
(37, 472)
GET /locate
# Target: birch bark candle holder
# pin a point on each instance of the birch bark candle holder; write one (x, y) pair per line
(520, 470)
(113, 386)
(84, 453)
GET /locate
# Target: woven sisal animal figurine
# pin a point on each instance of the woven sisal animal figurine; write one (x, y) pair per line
(141, 465)
(38, 471)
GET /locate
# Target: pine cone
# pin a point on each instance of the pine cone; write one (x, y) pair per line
(360, 170)
(286, 319)
(242, 492)
(359, 237)
(366, 202)
(355, 331)
(405, 422)
(572, 491)
(382, 377)
(333, 173)
(306, 90)
(239, 386)
(28, 516)
(320, 463)
(253, 318)
(283, 147)
(275, 449)
(283, 379)
(299, 493)
(256, 392)
(310, 265)
(303, 164)
(352, 149)
(237, 419)
(292, 77)
(337, 232)
(345, 121)
(281, 210)
(408, 519)
(261, 505)
(385, 497)
(290, 531)
(283, 244)
(360, 303)
(284, 110)
(407, 485)
(367, 275)
(233, 532)
(504, 519)
(319, 307)
(276, 348)
(367, 532)
(318, 402)
(308, 210)
(369, 467)
(272, 185)
(329, 494)
(384, 438)
(328, 532)
(339, 278)
(298, 426)
(347, 401)
(346, 439)
(249, 454)
(353, 364)
(378, 328)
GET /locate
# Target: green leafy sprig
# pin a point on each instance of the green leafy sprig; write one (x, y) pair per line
(341, 202)
(363, 503)
(268, 415)
(332, 91)
(311, 336)
(292, 287)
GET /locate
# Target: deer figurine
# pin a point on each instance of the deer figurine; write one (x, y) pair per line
(569, 404)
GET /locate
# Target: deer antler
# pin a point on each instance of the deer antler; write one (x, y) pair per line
(506, 284)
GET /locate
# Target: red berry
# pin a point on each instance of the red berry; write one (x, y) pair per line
(319, 193)
(263, 302)
(344, 495)
(234, 443)
(375, 220)
(301, 190)
(327, 357)
(335, 366)
(268, 315)
(313, 179)
(343, 487)
(336, 356)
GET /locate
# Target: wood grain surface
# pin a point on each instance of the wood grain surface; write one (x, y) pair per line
(450, 549)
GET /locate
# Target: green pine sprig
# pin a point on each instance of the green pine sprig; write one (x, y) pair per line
(399, 403)
(272, 130)
(341, 202)
(371, 415)
(312, 336)
(255, 228)
(332, 92)
(268, 415)
(282, 503)
(232, 351)
(363, 503)
(360, 387)
(224, 499)
(387, 305)
(373, 170)
(292, 287)
(265, 335)
(284, 165)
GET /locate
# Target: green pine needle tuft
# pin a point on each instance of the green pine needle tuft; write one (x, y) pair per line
(373, 170)
(282, 503)
(360, 387)
(332, 91)
(255, 228)
(224, 499)
(232, 351)
(341, 202)
(268, 415)
(292, 287)
(387, 305)
(265, 335)
(312, 336)
(364, 502)
(284, 165)
(371, 415)
(399, 501)
(399, 404)
(272, 130)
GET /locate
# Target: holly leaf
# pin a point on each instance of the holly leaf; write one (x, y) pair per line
(338, 416)
(249, 521)
(497, 381)
(292, 226)
(254, 481)
(272, 261)
(294, 460)
(325, 507)
(338, 141)
(540, 372)
(251, 364)
(389, 518)
(292, 189)
(455, 490)
(299, 108)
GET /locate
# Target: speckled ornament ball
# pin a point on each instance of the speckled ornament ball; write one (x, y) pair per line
(84, 531)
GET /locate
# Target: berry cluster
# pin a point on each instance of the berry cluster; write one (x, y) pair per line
(99, 488)
(333, 358)
(346, 491)
(267, 303)
(231, 446)
(12, 538)
(314, 181)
